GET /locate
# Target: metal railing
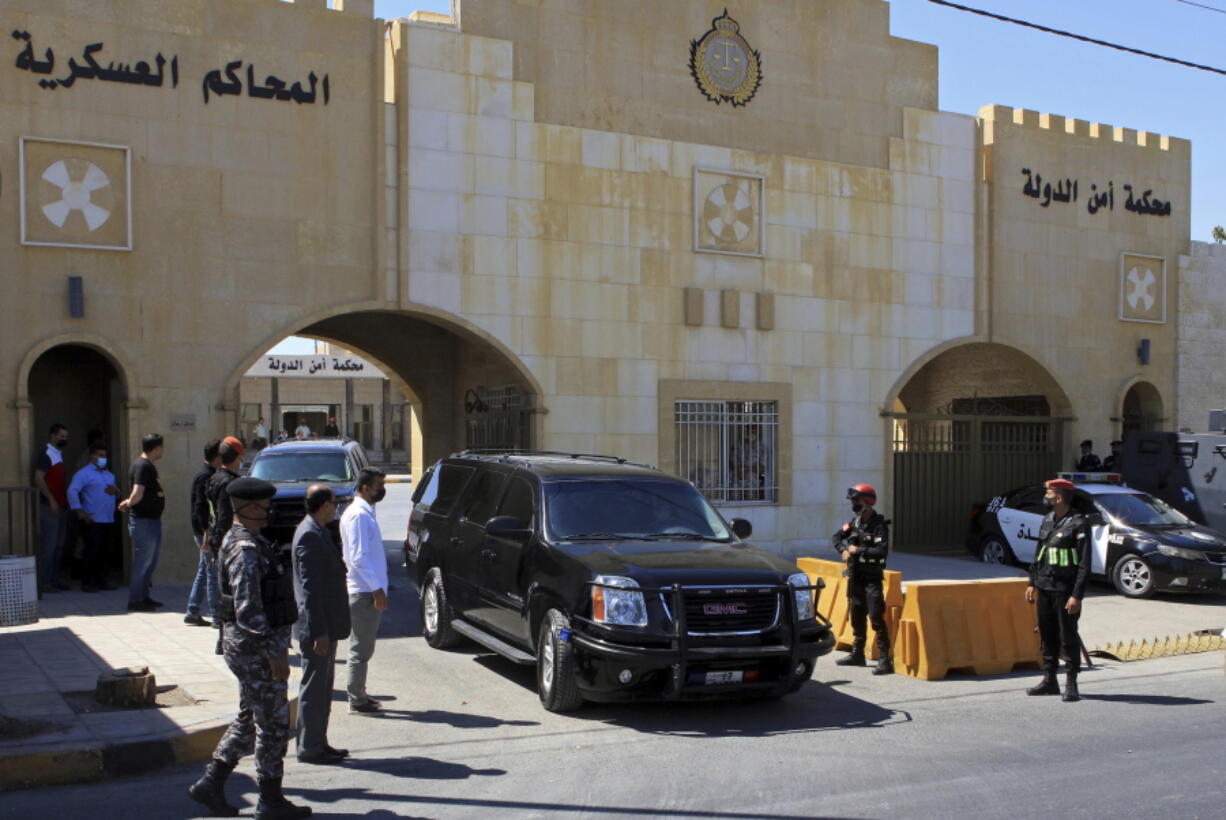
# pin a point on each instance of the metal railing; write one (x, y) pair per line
(729, 449)
(19, 520)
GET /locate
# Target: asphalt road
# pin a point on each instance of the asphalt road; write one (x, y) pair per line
(463, 735)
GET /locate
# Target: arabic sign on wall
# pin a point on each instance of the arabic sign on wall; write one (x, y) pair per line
(217, 82)
(1067, 191)
(75, 194)
(314, 367)
(1142, 288)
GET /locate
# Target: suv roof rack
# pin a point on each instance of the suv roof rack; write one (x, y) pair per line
(505, 454)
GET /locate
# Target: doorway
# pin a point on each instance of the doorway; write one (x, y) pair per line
(79, 387)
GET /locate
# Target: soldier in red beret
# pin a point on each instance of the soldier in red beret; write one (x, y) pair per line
(1057, 584)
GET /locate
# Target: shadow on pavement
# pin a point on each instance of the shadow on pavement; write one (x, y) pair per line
(420, 768)
(459, 720)
(815, 708)
(570, 809)
(1149, 700)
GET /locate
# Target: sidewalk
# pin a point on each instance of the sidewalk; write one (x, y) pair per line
(79, 636)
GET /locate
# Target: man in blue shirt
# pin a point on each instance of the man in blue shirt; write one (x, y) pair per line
(91, 493)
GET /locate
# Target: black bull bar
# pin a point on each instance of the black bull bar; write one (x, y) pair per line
(681, 654)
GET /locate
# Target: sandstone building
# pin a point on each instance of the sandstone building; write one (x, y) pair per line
(746, 246)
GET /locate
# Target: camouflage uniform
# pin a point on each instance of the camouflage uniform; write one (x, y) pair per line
(248, 560)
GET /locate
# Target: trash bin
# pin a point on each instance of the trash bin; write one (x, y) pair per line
(18, 590)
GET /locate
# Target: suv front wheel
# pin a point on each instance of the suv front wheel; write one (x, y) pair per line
(436, 614)
(555, 665)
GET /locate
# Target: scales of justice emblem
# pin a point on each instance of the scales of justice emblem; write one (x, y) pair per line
(725, 67)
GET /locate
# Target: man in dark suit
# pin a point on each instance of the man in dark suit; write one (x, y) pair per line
(323, 619)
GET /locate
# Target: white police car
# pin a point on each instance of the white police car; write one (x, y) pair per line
(1141, 544)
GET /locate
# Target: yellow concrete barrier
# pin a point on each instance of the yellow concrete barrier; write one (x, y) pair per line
(983, 627)
(832, 602)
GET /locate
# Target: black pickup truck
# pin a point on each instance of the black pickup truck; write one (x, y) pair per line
(617, 581)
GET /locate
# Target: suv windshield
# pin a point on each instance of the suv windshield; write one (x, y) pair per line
(634, 508)
(302, 467)
(1141, 510)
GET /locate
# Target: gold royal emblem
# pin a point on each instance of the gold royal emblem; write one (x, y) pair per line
(724, 65)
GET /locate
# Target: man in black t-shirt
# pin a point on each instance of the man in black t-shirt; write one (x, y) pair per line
(144, 507)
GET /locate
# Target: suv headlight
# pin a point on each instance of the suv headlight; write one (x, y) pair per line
(1178, 552)
(804, 597)
(617, 600)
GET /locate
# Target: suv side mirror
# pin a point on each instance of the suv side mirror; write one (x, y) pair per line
(741, 528)
(509, 527)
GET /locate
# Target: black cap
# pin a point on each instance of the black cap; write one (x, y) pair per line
(250, 489)
(1087, 443)
(1117, 443)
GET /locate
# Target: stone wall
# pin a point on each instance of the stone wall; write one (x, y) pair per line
(1201, 363)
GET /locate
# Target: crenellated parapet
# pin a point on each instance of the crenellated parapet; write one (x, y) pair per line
(1002, 116)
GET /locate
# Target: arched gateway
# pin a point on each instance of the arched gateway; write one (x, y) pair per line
(468, 390)
(972, 421)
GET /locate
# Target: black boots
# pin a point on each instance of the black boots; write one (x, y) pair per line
(1047, 686)
(885, 666)
(854, 658)
(1071, 695)
(274, 806)
(210, 789)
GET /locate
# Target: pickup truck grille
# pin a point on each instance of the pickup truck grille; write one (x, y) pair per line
(722, 611)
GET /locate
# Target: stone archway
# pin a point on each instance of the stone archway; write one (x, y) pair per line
(1141, 409)
(84, 388)
(968, 422)
(470, 388)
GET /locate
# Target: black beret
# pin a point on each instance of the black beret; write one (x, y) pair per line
(1087, 443)
(250, 489)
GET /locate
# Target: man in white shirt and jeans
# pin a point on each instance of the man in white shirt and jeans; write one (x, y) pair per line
(362, 544)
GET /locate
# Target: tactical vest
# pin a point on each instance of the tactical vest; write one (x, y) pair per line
(1060, 546)
(276, 593)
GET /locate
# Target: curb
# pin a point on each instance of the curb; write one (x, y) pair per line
(59, 767)
(398, 479)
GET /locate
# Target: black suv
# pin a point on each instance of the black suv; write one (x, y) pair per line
(295, 465)
(616, 580)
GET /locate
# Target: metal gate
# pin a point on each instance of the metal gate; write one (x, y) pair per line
(946, 463)
(497, 418)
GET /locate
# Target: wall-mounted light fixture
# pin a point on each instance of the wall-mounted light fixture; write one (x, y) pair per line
(76, 297)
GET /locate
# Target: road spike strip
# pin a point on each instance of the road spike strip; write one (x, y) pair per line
(1170, 646)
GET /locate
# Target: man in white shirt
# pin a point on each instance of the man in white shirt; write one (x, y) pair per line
(302, 432)
(362, 545)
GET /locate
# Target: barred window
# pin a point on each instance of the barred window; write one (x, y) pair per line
(729, 449)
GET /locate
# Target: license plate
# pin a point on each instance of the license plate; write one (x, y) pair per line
(718, 678)
(1224, 573)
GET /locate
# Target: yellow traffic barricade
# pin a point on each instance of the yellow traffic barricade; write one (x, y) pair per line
(982, 627)
(832, 602)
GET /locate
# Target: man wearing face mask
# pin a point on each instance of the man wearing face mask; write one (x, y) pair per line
(257, 610)
(92, 495)
(323, 621)
(52, 483)
(1057, 585)
(864, 543)
(366, 561)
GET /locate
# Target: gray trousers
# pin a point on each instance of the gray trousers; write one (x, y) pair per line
(315, 698)
(53, 528)
(364, 620)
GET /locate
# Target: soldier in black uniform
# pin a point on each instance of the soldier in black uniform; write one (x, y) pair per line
(257, 609)
(231, 452)
(1057, 583)
(864, 542)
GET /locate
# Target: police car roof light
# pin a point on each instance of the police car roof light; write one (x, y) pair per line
(1092, 478)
